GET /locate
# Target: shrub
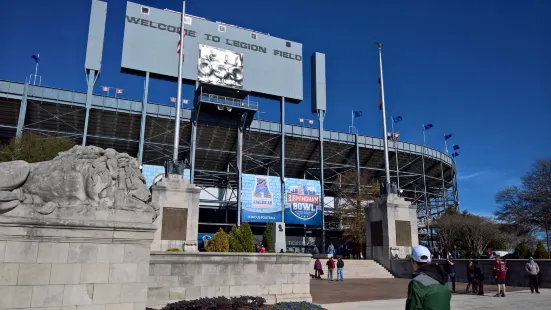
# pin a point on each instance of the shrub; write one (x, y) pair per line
(234, 240)
(296, 306)
(247, 238)
(541, 252)
(267, 240)
(220, 303)
(219, 242)
(173, 250)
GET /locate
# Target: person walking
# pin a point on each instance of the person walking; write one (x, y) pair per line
(478, 283)
(500, 269)
(318, 270)
(340, 266)
(330, 267)
(470, 276)
(449, 266)
(533, 270)
(428, 290)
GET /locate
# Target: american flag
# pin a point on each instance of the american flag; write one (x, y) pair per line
(172, 99)
(119, 91)
(105, 88)
(179, 44)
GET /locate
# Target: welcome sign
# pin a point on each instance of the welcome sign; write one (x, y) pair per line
(302, 202)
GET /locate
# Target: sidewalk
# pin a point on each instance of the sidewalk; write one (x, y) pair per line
(327, 292)
(513, 301)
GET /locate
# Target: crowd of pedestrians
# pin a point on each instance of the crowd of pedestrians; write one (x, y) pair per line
(331, 265)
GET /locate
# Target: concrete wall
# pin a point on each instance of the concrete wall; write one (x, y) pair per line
(276, 277)
(516, 276)
(55, 264)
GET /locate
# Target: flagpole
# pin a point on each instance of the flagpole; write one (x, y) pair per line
(395, 154)
(179, 95)
(427, 204)
(382, 98)
(353, 120)
(446, 145)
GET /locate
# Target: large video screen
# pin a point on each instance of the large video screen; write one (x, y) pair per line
(260, 198)
(302, 202)
(220, 67)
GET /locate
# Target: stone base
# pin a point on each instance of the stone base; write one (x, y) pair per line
(73, 264)
(189, 276)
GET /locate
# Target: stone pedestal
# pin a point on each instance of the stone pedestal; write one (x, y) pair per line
(278, 237)
(391, 229)
(49, 263)
(178, 220)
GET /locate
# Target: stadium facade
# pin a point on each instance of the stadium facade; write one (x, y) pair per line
(220, 139)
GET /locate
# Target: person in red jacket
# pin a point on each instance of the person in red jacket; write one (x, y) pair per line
(330, 268)
(500, 269)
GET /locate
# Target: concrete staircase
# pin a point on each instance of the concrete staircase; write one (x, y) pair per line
(364, 269)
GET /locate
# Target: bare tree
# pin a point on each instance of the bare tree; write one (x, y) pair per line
(530, 204)
(353, 193)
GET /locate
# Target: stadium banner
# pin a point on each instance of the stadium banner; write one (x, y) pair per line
(260, 198)
(152, 173)
(302, 202)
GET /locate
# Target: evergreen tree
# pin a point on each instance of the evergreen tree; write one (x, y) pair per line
(234, 240)
(34, 148)
(267, 240)
(247, 238)
(522, 251)
(541, 252)
(219, 242)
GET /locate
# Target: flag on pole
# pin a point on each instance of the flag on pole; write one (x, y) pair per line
(301, 120)
(455, 147)
(357, 113)
(36, 57)
(184, 101)
(179, 43)
(455, 154)
(105, 88)
(397, 119)
(119, 91)
(446, 137)
(427, 127)
(173, 99)
(311, 121)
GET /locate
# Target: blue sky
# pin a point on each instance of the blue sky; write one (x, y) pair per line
(476, 69)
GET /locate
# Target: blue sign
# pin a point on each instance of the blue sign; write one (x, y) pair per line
(153, 173)
(260, 198)
(302, 202)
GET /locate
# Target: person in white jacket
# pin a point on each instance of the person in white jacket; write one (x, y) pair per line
(533, 270)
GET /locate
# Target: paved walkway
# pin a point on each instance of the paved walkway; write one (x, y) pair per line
(327, 292)
(514, 301)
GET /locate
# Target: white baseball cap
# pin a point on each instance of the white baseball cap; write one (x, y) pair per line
(421, 254)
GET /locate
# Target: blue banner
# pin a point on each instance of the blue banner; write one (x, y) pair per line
(302, 202)
(260, 198)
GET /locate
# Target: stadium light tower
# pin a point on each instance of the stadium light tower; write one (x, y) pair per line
(176, 165)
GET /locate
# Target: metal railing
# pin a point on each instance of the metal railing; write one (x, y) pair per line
(234, 102)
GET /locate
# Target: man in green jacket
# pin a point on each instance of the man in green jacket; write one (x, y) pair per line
(428, 290)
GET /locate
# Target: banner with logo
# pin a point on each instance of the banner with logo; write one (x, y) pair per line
(260, 198)
(302, 202)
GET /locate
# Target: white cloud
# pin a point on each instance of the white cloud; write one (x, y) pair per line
(470, 176)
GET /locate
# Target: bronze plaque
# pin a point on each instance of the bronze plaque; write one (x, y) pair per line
(174, 224)
(403, 233)
(377, 233)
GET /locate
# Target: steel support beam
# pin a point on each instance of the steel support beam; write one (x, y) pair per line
(240, 129)
(22, 111)
(194, 118)
(144, 117)
(282, 176)
(89, 94)
(321, 118)
(357, 148)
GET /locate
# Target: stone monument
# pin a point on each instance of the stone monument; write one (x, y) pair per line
(391, 228)
(278, 237)
(178, 223)
(75, 232)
